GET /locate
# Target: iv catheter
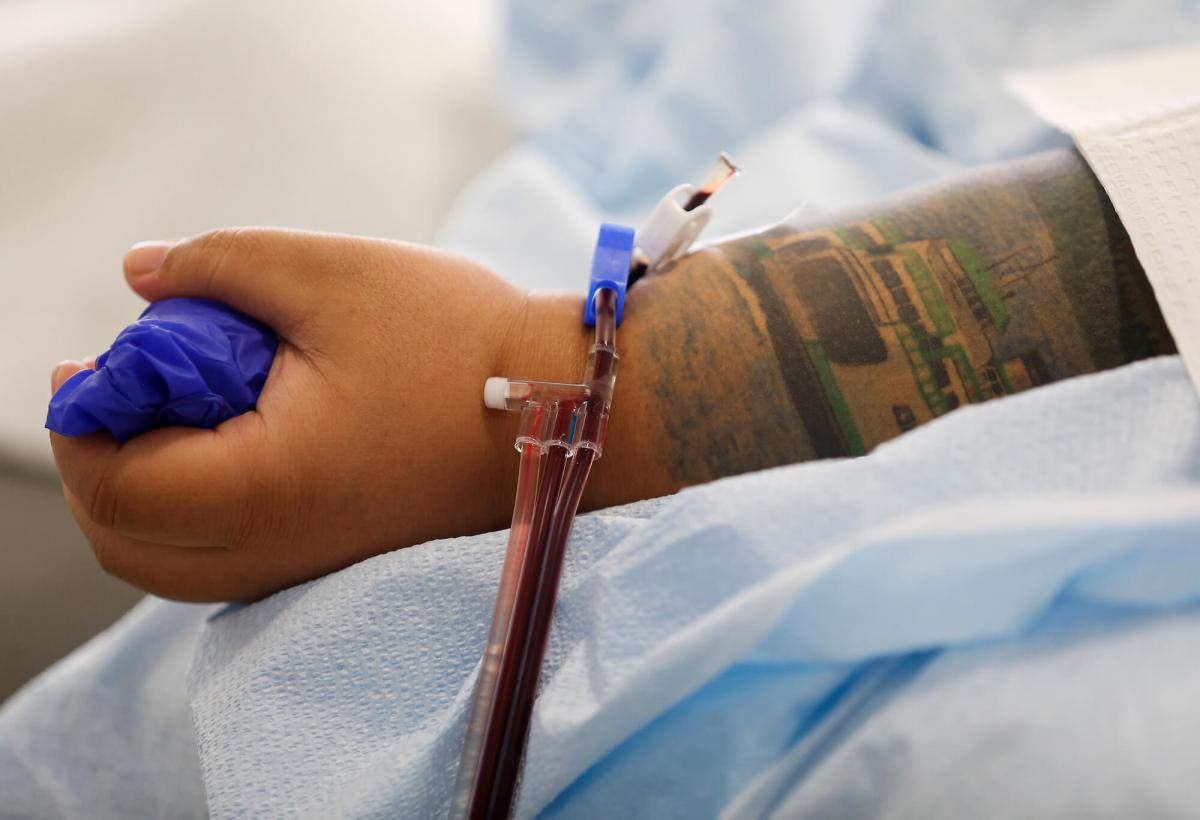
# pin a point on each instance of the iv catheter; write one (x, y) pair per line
(561, 435)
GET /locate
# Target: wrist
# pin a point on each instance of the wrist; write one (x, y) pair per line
(549, 342)
(544, 340)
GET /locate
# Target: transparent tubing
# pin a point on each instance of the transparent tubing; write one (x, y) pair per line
(717, 176)
(601, 376)
(487, 686)
(542, 516)
(545, 432)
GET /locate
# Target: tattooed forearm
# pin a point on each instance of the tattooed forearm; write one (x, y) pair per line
(817, 341)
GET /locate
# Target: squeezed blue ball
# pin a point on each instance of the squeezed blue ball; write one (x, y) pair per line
(189, 362)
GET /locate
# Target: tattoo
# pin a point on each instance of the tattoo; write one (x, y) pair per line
(835, 339)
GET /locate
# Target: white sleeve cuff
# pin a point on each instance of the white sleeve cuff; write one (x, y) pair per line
(1136, 120)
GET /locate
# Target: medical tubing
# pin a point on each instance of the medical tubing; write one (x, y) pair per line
(717, 176)
(478, 793)
(564, 445)
(601, 377)
(511, 753)
(572, 421)
(493, 796)
(487, 686)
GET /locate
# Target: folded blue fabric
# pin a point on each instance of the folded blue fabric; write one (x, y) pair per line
(808, 641)
(996, 615)
(191, 362)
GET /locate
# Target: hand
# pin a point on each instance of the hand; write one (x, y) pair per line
(370, 433)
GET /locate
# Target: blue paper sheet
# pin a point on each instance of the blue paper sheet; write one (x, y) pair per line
(996, 615)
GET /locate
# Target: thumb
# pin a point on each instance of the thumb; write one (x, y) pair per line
(279, 277)
(63, 371)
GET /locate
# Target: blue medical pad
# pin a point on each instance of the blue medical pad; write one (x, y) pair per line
(1000, 608)
(190, 362)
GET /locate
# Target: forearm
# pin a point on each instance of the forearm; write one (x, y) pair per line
(795, 343)
(826, 340)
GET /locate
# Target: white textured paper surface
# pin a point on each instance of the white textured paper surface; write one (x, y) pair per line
(1136, 118)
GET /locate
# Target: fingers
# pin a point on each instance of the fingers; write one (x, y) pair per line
(279, 277)
(65, 370)
(178, 573)
(179, 486)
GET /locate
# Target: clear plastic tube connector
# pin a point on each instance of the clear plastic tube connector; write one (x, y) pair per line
(500, 393)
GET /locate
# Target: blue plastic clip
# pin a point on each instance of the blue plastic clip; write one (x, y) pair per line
(610, 268)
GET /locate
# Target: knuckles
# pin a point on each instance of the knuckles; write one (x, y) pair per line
(102, 502)
(208, 254)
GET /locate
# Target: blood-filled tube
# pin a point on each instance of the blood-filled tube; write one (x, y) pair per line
(478, 792)
(474, 763)
(601, 376)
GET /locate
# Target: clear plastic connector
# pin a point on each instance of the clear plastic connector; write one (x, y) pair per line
(722, 171)
(677, 221)
(500, 393)
(537, 419)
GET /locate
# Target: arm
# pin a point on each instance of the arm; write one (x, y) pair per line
(799, 342)
(826, 339)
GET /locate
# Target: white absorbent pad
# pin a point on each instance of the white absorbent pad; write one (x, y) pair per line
(1136, 118)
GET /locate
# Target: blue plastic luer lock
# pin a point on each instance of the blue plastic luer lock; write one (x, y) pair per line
(610, 268)
(190, 362)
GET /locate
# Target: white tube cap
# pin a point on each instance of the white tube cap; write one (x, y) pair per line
(495, 393)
